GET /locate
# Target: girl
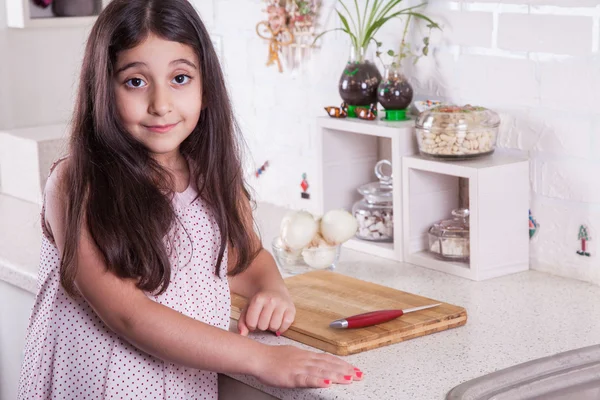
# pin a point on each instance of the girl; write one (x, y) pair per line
(148, 226)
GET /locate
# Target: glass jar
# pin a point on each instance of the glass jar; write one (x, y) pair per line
(457, 133)
(449, 239)
(360, 79)
(394, 92)
(375, 212)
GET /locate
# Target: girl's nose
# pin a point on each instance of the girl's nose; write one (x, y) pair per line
(160, 101)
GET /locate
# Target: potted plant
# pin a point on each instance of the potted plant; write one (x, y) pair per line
(395, 93)
(359, 82)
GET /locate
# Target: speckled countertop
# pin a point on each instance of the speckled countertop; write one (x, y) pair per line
(512, 319)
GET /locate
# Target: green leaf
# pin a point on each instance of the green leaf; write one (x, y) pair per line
(426, 40)
(359, 23)
(379, 23)
(376, 5)
(350, 16)
(347, 28)
(388, 7)
(331, 30)
(362, 28)
(432, 24)
(391, 53)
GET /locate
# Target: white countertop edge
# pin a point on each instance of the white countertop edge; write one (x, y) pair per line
(16, 276)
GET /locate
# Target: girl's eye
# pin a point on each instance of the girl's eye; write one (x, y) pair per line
(181, 79)
(135, 83)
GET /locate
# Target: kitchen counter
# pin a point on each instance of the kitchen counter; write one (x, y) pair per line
(512, 319)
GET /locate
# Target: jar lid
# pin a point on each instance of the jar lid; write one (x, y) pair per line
(382, 191)
(455, 227)
(452, 117)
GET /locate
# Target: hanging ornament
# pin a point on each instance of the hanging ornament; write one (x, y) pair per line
(533, 226)
(262, 169)
(304, 185)
(289, 28)
(584, 237)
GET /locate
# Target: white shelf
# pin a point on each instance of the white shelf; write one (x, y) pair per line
(25, 14)
(380, 249)
(429, 260)
(498, 189)
(348, 150)
(377, 127)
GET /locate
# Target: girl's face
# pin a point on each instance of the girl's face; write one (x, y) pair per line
(159, 94)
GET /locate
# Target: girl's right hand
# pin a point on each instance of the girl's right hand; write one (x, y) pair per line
(291, 367)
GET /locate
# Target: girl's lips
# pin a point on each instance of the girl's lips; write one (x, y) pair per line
(161, 128)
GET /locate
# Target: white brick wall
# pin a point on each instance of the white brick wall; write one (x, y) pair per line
(536, 62)
(468, 28)
(559, 34)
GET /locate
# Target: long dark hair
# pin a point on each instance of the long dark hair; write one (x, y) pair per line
(113, 183)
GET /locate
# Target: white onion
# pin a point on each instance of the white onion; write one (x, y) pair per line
(319, 257)
(288, 253)
(337, 226)
(298, 229)
(318, 241)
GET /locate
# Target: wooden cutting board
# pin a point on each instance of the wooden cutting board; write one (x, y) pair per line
(322, 296)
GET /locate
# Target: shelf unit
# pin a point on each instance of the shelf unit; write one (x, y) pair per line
(498, 201)
(25, 14)
(348, 150)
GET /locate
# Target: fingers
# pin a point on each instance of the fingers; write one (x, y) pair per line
(331, 374)
(344, 372)
(288, 319)
(276, 319)
(242, 327)
(252, 314)
(311, 381)
(265, 315)
(269, 313)
(291, 367)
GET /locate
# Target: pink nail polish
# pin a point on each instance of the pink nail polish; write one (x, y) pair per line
(348, 377)
(359, 374)
(278, 333)
(356, 369)
(327, 381)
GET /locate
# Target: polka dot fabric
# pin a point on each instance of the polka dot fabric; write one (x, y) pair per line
(71, 354)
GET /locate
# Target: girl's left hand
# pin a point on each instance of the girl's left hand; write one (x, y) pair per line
(267, 310)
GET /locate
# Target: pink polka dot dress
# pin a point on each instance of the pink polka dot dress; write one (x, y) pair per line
(71, 354)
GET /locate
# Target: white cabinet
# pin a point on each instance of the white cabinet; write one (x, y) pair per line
(498, 202)
(348, 150)
(25, 14)
(15, 308)
(426, 191)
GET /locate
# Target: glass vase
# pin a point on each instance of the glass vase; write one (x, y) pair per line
(394, 92)
(360, 79)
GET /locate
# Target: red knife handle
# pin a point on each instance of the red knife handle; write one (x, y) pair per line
(372, 318)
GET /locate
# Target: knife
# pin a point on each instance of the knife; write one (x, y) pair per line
(374, 317)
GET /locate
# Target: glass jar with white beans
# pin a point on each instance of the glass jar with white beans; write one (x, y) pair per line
(457, 132)
(375, 211)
